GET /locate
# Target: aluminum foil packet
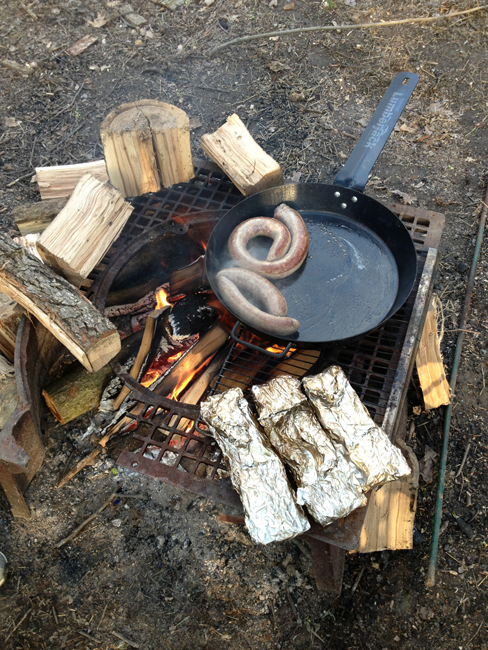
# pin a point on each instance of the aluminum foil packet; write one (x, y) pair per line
(292, 428)
(328, 484)
(347, 421)
(258, 475)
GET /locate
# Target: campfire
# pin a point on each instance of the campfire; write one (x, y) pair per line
(160, 342)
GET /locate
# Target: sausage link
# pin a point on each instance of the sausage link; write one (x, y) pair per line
(230, 281)
(291, 261)
(260, 226)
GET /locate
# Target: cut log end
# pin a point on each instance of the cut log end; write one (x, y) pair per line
(146, 145)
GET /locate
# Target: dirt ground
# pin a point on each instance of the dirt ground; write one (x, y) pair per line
(158, 568)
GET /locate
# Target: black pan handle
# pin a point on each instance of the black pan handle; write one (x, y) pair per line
(355, 172)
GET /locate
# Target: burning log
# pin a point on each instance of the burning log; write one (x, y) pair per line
(189, 279)
(180, 375)
(32, 218)
(147, 338)
(146, 144)
(235, 151)
(59, 181)
(83, 231)
(148, 301)
(190, 316)
(60, 307)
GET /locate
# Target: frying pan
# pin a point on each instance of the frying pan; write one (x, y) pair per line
(361, 264)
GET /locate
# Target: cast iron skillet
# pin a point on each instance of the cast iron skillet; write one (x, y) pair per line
(362, 262)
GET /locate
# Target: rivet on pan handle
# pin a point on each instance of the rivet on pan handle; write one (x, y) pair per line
(256, 348)
(355, 172)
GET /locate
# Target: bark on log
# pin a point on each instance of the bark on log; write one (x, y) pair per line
(235, 151)
(10, 315)
(61, 308)
(32, 218)
(146, 144)
(78, 238)
(60, 181)
(76, 393)
(8, 391)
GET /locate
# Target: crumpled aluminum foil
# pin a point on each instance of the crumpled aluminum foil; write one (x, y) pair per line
(328, 484)
(347, 421)
(256, 472)
(292, 428)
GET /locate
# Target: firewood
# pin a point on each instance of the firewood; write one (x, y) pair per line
(430, 368)
(29, 242)
(174, 381)
(61, 308)
(189, 279)
(146, 342)
(84, 230)
(76, 393)
(146, 302)
(146, 144)
(60, 181)
(235, 151)
(10, 315)
(32, 218)
(8, 391)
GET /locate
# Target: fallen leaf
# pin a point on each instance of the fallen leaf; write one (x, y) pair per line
(406, 199)
(426, 464)
(408, 129)
(289, 6)
(99, 21)
(11, 122)
(277, 66)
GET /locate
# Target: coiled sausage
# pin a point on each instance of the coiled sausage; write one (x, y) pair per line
(231, 281)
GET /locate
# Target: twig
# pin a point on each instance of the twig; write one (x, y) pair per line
(63, 110)
(475, 634)
(29, 11)
(126, 640)
(103, 616)
(55, 616)
(19, 623)
(356, 582)
(461, 467)
(331, 28)
(87, 521)
(21, 178)
(89, 636)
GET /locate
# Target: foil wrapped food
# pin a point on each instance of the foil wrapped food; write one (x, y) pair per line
(348, 423)
(258, 475)
(329, 485)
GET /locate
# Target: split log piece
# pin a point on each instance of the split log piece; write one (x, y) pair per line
(29, 242)
(146, 144)
(32, 218)
(76, 393)
(430, 368)
(236, 152)
(84, 230)
(59, 181)
(10, 315)
(147, 338)
(391, 511)
(61, 308)
(189, 279)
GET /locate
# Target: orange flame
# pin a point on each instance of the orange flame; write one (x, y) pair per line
(182, 384)
(162, 299)
(151, 375)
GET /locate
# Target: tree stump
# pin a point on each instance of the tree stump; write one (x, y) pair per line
(146, 145)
